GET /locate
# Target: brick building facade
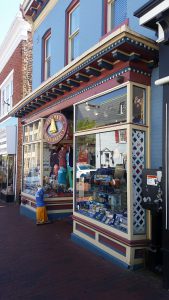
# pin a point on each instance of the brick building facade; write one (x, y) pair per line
(15, 84)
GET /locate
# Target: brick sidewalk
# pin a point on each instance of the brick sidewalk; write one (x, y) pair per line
(41, 262)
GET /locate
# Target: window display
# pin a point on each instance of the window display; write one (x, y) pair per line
(31, 168)
(31, 157)
(47, 164)
(58, 169)
(101, 177)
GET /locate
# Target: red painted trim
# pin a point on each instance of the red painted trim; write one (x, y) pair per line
(95, 90)
(139, 78)
(44, 38)
(72, 5)
(25, 199)
(58, 202)
(85, 230)
(136, 243)
(49, 207)
(111, 244)
(126, 22)
(59, 207)
(67, 13)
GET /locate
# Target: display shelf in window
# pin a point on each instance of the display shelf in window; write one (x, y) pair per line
(101, 186)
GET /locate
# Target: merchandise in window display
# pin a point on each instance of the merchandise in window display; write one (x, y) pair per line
(101, 188)
(105, 201)
(58, 181)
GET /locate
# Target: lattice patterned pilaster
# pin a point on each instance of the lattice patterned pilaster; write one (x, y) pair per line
(138, 159)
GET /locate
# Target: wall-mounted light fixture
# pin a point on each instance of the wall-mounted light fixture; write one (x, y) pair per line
(120, 79)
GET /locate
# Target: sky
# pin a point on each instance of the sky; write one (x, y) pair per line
(8, 11)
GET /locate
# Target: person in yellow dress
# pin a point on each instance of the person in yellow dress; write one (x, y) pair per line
(41, 213)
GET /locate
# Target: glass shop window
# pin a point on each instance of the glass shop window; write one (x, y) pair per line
(58, 170)
(101, 178)
(7, 171)
(104, 110)
(3, 172)
(139, 102)
(32, 132)
(31, 168)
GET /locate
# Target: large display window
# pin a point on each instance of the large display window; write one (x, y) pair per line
(101, 177)
(108, 167)
(31, 168)
(58, 169)
(45, 164)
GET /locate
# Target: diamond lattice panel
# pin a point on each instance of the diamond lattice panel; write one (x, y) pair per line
(137, 167)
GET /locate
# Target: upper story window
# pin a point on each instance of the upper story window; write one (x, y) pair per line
(73, 22)
(47, 55)
(6, 90)
(110, 14)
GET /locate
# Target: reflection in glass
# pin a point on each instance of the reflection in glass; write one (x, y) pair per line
(139, 95)
(104, 110)
(75, 47)
(74, 20)
(32, 132)
(31, 168)
(101, 177)
(7, 171)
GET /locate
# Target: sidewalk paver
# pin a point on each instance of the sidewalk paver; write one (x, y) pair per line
(42, 263)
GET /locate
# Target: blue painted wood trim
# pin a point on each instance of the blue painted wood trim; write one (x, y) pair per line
(24, 210)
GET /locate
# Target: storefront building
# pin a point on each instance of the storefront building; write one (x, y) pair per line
(15, 59)
(155, 15)
(86, 127)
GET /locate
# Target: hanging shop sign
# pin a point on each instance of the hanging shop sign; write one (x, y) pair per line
(55, 128)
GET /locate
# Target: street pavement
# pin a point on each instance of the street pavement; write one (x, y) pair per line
(42, 263)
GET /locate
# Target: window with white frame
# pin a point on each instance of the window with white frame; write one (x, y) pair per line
(73, 38)
(110, 14)
(6, 90)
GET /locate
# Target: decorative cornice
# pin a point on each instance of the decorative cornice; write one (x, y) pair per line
(125, 41)
(17, 32)
(96, 84)
(37, 10)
